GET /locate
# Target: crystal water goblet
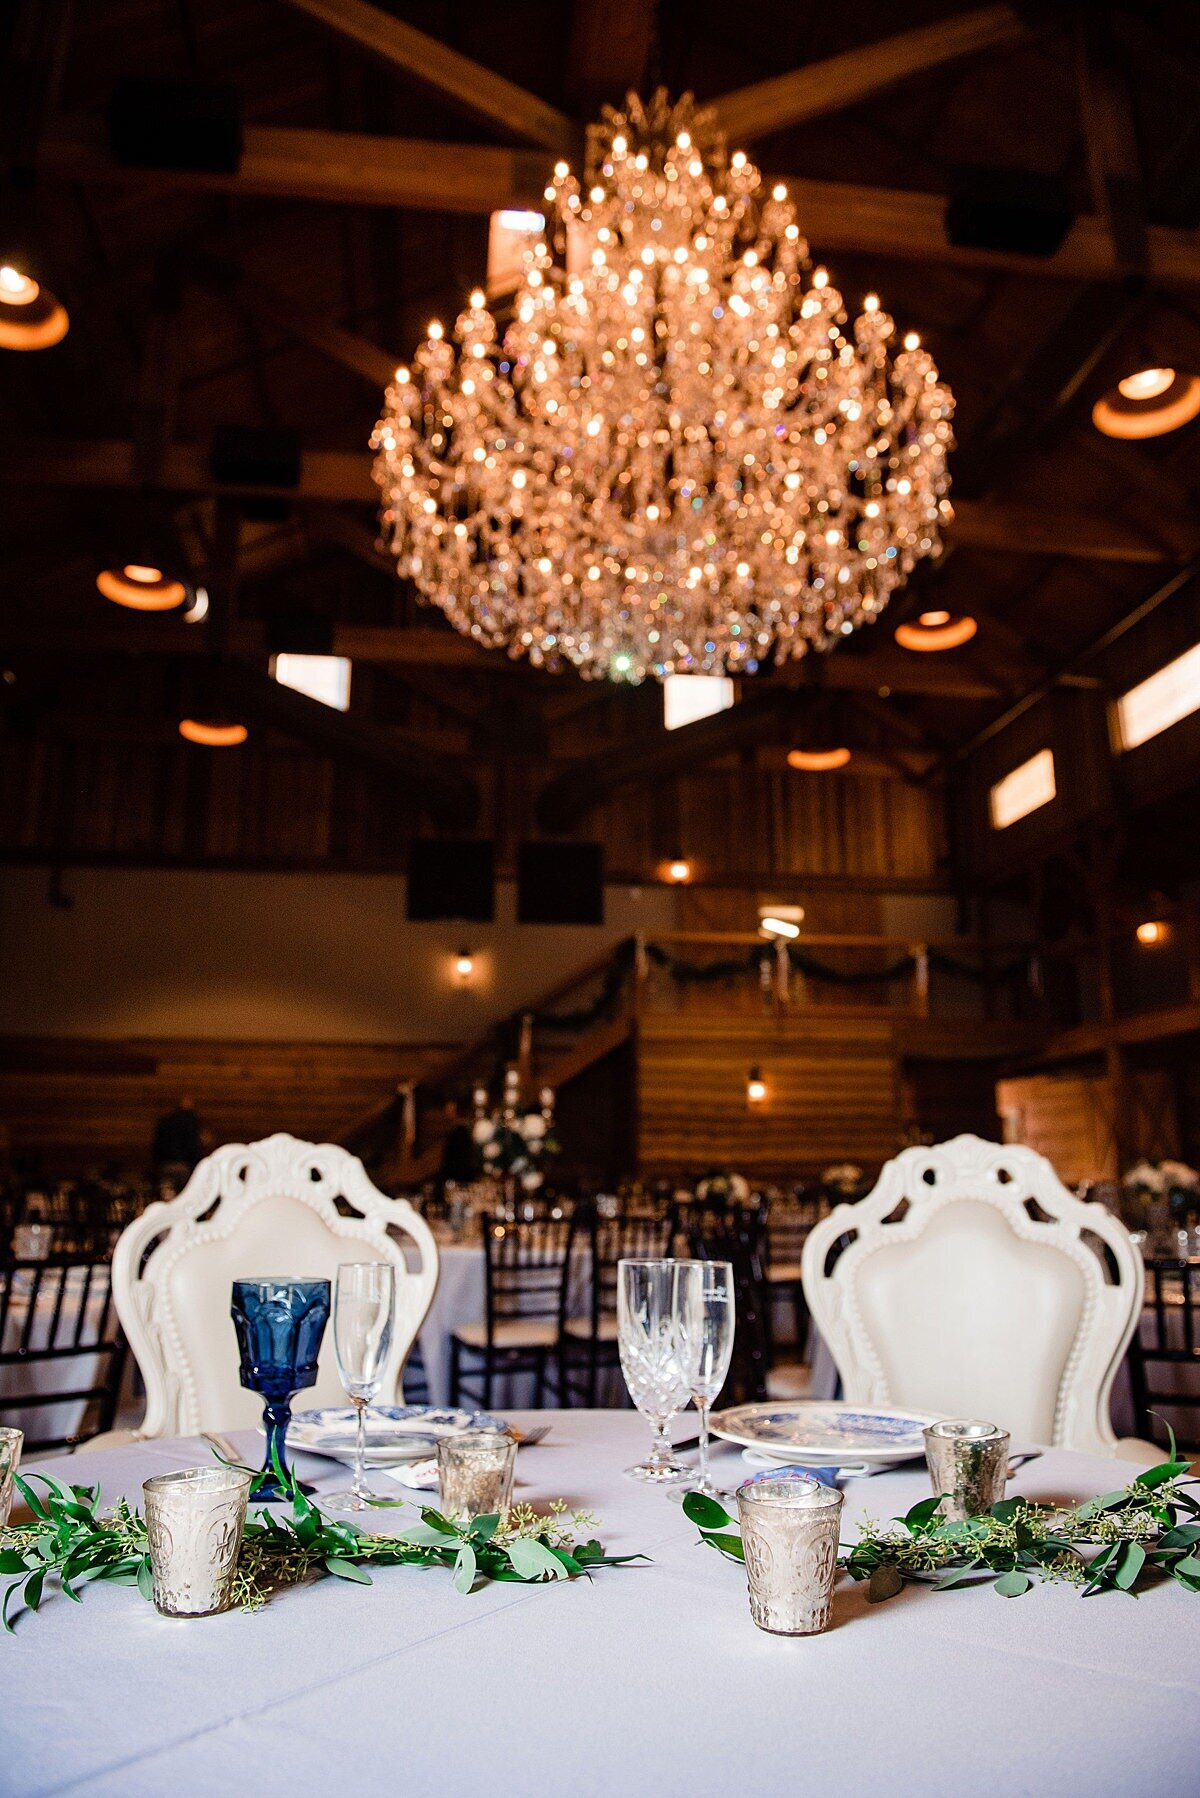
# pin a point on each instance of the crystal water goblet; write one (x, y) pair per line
(649, 1362)
(364, 1313)
(703, 1314)
(280, 1323)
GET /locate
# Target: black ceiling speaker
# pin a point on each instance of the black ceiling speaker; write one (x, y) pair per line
(298, 631)
(1008, 210)
(255, 456)
(451, 878)
(560, 883)
(176, 125)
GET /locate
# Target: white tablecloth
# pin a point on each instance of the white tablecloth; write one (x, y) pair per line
(645, 1679)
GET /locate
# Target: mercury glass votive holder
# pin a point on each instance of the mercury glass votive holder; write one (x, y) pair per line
(194, 1522)
(790, 1532)
(11, 1444)
(968, 1463)
(475, 1473)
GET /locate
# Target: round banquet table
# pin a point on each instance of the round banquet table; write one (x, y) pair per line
(646, 1678)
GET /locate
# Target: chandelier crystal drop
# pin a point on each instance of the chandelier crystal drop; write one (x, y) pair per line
(680, 455)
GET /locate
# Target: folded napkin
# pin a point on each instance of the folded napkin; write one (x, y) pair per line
(826, 1476)
(420, 1476)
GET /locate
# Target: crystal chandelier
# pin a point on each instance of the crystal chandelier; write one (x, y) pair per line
(680, 456)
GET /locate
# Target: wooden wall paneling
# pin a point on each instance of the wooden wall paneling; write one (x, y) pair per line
(81, 1103)
(832, 1093)
(1071, 1119)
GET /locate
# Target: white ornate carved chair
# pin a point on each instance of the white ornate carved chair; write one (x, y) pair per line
(255, 1209)
(974, 1284)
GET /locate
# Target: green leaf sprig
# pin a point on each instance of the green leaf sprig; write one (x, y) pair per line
(1148, 1531)
(71, 1540)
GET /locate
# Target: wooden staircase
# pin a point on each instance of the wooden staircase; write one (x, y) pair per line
(554, 1040)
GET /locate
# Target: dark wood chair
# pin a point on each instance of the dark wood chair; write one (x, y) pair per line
(57, 1316)
(587, 1328)
(1167, 1337)
(789, 1221)
(737, 1234)
(519, 1332)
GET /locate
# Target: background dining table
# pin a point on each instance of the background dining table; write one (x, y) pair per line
(650, 1677)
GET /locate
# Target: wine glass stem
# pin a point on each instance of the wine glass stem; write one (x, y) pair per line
(277, 1414)
(661, 1453)
(360, 1451)
(702, 1405)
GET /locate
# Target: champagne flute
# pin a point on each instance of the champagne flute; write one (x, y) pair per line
(702, 1312)
(364, 1309)
(646, 1344)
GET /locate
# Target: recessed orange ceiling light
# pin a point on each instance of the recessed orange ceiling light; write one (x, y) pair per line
(1148, 403)
(679, 869)
(1152, 931)
(818, 761)
(211, 734)
(141, 587)
(30, 316)
(936, 630)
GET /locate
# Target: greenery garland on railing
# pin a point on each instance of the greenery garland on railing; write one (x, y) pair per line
(70, 1539)
(1135, 1532)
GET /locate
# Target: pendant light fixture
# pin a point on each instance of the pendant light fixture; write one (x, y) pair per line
(142, 587)
(30, 316)
(1148, 402)
(936, 630)
(213, 732)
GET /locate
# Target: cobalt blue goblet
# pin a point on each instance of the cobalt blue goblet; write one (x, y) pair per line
(279, 1326)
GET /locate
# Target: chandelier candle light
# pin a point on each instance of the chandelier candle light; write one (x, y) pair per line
(681, 455)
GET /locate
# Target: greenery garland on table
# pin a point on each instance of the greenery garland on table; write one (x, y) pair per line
(1136, 1534)
(71, 1539)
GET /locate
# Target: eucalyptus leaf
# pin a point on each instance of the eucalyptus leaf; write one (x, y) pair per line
(341, 1568)
(885, 1582)
(532, 1560)
(705, 1512)
(725, 1542)
(1011, 1585)
(464, 1568)
(1131, 1563)
(145, 1579)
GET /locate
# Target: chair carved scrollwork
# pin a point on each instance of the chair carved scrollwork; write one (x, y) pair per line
(275, 1207)
(970, 1282)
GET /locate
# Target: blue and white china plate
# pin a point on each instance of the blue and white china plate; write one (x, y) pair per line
(395, 1433)
(822, 1433)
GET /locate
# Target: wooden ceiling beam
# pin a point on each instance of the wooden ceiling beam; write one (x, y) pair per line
(347, 167)
(361, 169)
(329, 339)
(336, 476)
(467, 85)
(840, 81)
(1111, 138)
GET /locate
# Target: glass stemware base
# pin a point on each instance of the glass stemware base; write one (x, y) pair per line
(657, 1473)
(347, 1501)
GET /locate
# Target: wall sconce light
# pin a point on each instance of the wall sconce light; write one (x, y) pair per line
(464, 965)
(1151, 932)
(679, 870)
(756, 1087)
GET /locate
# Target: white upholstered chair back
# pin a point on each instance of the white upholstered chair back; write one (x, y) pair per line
(976, 1285)
(252, 1210)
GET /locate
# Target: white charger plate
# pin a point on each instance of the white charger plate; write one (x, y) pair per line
(825, 1433)
(395, 1433)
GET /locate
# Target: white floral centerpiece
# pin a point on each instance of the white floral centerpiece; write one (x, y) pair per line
(512, 1143)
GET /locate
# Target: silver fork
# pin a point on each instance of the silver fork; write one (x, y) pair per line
(532, 1438)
